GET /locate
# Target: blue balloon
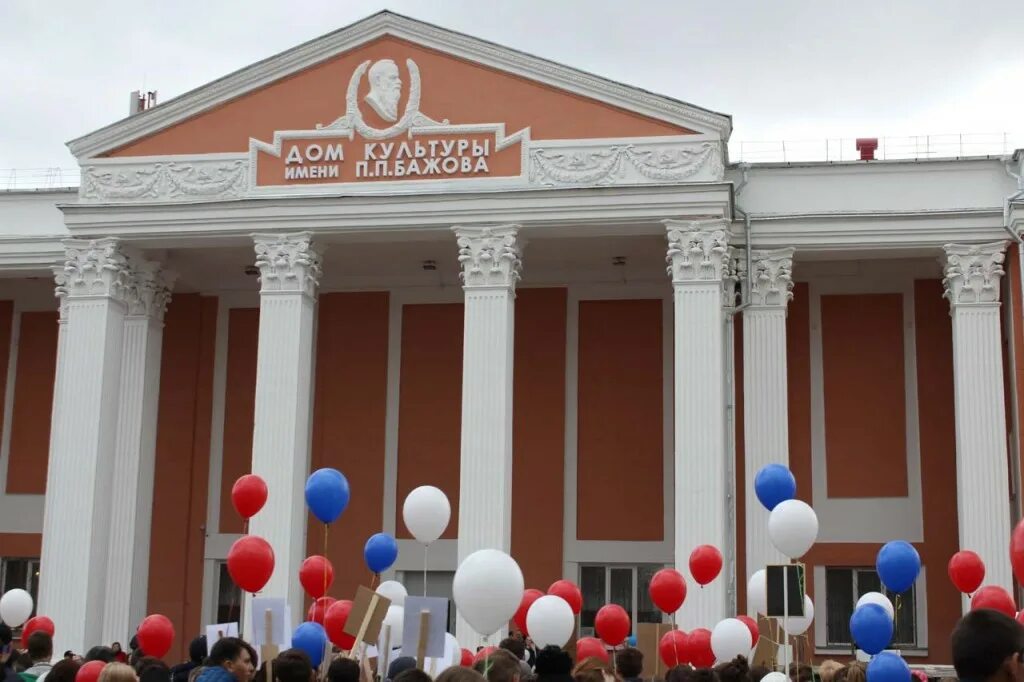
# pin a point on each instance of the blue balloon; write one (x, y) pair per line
(311, 638)
(380, 552)
(888, 667)
(898, 565)
(327, 494)
(773, 484)
(871, 628)
(631, 640)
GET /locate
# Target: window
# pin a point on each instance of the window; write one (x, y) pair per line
(624, 585)
(844, 586)
(229, 596)
(20, 573)
(439, 584)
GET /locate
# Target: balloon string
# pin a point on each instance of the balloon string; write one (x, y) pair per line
(675, 642)
(326, 529)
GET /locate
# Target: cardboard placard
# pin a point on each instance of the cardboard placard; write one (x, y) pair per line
(648, 636)
(435, 624)
(785, 586)
(219, 631)
(766, 653)
(367, 615)
(280, 634)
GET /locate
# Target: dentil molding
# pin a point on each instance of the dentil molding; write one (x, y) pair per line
(288, 263)
(698, 251)
(772, 281)
(489, 256)
(972, 273)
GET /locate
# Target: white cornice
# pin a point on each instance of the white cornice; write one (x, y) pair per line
(320, 49)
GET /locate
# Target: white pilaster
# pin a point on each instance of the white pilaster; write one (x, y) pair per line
(289, 275)
(77, 517)
(489, 257)
(972, 279)
(147, 295)
(765, 394)
(698, 257)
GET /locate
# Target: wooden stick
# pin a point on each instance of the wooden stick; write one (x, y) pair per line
(374, 600)
(421, 647)
(386, 651)
(269, 650)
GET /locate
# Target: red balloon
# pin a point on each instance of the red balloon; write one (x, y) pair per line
(698, 648)
(318, 609)
(612, 624)
(156, 634)
(967, 571)
(752, 626)
(668, 590)
(672, 648)
(36, 623)
(705, 564)
(995, 598)
(334, 624)
(1017, 551)
(90, 672)
(249, 494)
(590, 647)
(529, 596)
(250, 563)
(484, 653)
(467, 659)
(316, 575)
(568, 591)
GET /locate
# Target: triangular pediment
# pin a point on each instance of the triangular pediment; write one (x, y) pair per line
(445, 78)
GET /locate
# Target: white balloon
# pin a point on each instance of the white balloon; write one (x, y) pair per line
(793, 528)
(394, 617)
(757, 593)
(15, 607)
(797, 625)
(550, 621)
(487, 590)
(452, 649)
(393, 591)
(775, 677)
(877, 598)
(730, 638)
(426, 513)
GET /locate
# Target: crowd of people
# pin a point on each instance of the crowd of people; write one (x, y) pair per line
(987, 646)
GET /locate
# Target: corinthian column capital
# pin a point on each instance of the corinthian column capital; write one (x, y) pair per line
(972, 273)
(288, 263)
(771, 285)
(489, 256)
(698, 250)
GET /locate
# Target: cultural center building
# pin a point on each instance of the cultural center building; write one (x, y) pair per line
(422, 258)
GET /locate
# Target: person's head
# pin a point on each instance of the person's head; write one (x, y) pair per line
(500, 666)
(551, 660)
(457, 673)
(40, 646)
(681, 673)
(514, 644)
(233, 655)
(153, 670)
(293, 665)
(69, 655)
(343, 670)
(758, 672)
(400, 665)
(386, 87)
(827, 670)
(703, 675)
(118, 672)
(413, 675)
(736, 670)
(629, 662)
(593, 669)
(254, 660)
(100, 653)
(801, 672)
(116, 647)
(851, 672)
(987, 645)
(22, 662)
(197, 650)
(6, 637)
(64, 671)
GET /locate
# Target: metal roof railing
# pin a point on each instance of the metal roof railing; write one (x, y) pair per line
(889, 148)
(38, 178)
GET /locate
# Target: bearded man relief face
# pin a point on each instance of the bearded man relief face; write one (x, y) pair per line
(385, 89)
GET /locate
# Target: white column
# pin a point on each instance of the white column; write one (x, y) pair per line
(289, 275)
(698, 255)
(134, 451)
(972, 278)
(77, 518)
(489, 257)
(765, 394)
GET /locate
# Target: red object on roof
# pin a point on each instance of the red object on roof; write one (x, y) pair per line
(867, 146)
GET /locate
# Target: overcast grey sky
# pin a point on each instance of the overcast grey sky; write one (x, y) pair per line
(785, 69)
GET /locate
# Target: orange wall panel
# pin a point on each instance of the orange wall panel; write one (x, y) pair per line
(181, 475)
(798, 377)
(349, 413)
(538, 434)
(452, 88)
(620, 447)
(239, 408)
(430, 405)
(1015, 309)
(6, 324)
(33, 403)
(865, 404)
(21, 545)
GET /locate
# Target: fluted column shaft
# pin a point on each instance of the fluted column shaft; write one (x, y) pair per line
(765, 394)
(134, 453)
(289, 275)
(972, 279)
(698, 256)
(490, 267)
(77, 516)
